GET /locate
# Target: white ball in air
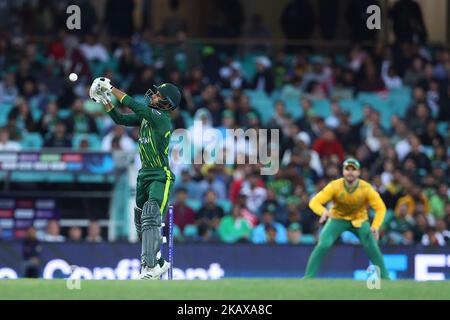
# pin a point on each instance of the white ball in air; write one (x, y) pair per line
(73, 77)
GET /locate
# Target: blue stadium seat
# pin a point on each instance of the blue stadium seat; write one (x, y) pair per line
(36, 114)
(187, 118)
(64, 113)
(293, 108)
(32, 141)
(442, 128)
(382, 105)
(226, 205)
(354, 108)
(262, 103)
(322, 107)
(194, 204)
(190, 231)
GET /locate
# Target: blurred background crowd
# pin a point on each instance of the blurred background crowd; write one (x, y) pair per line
(387, 104)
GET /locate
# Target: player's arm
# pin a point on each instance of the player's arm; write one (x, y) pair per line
(139, 109)
(317, 202)
(378, 205)
(130, 120)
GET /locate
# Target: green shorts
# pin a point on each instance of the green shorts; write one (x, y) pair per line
(154, 185)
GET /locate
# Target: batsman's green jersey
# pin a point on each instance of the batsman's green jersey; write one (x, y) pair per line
(155, 180)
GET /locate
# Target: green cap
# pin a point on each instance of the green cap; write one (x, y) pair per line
(252, 115)
(352, 162)
(171, 93)
(227, 114)
(295, 226)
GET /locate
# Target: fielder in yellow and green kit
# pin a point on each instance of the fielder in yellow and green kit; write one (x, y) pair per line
(155, 180)
(350, 196)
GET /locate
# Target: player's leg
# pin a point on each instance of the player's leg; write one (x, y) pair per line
(141, 198)
(330, 232)
(158, 196)
(371, 247)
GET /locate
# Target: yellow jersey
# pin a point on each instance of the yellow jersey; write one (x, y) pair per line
(350, 205)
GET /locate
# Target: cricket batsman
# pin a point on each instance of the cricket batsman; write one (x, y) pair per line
(155, 180)
(350, 196)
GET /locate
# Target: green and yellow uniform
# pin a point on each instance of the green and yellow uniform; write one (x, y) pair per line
(155, 180)
(348, 213)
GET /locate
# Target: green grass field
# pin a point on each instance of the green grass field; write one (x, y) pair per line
(271, 289)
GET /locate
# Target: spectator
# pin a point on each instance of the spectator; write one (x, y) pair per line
(80, 121)
(212, 182)
(438, 200)
(327, 145)
(272, 204)
(234, 228)
(419, 158)
(120, 137)
(415, 73)
(49, 119)
(187, 183)
(52, 233)
(8, 89)
(182, 213)
(21, 116)
(31, 253)
(260, 232)
(143, 81)
(399, 228)
(59, 138)
(94, 232)
(263, 79)
(420, 228)
(294, 233)
(255, 193)
(433, 238)
(390, 76)
(93, 50)
(412, 199)
(210, 213)
(441, 228)
(75, 234)
(5, 143)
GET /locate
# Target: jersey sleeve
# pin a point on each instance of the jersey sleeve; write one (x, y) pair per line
(325, 195)
(144, 112)
(130, 120)
(378, 205)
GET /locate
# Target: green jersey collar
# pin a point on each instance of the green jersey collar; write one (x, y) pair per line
(351, 191)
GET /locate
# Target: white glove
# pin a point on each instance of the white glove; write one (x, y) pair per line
(98, 95)
(105, 97)
(103, 84)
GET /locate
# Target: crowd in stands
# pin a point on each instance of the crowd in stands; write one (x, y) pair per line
(326, 106)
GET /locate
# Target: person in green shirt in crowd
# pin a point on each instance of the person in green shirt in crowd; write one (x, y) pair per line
(234, 228)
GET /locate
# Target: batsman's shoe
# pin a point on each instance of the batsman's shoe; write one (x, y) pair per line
(164, 267)
(150, 273)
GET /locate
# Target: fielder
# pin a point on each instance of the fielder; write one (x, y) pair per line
(155, 180)
(350, 196)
